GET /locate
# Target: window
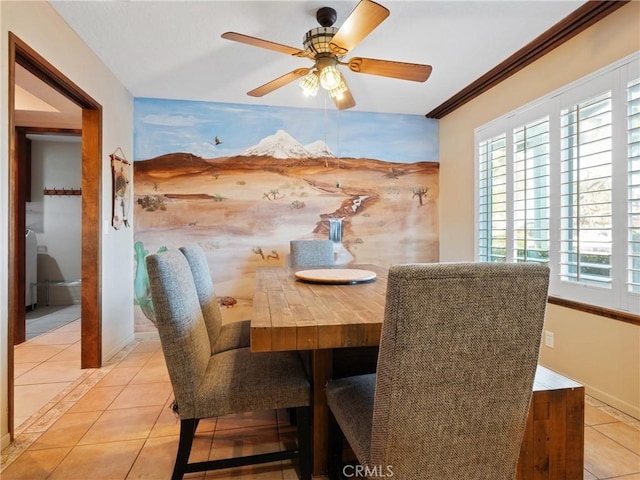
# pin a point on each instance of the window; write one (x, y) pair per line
(633, 140)
(558, 182)
(585, 192)
(531, 191)
(493, 200)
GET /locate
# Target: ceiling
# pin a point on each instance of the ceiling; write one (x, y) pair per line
(39, 105)
(173, 49)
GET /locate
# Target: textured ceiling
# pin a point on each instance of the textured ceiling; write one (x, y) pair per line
(173, 49)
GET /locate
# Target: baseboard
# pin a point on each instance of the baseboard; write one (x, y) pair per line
(5, 441)
(135, 337)
(615, 402)
(147, 336)
(625, 407)
(106, 357)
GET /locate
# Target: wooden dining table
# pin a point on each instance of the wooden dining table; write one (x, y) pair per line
(290, 314)
(322, 321)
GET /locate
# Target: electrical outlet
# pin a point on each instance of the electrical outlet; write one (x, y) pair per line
(548, 338)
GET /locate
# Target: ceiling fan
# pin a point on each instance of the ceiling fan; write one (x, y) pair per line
(327, 46)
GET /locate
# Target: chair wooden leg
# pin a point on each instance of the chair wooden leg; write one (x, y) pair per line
(335, 449)
(305, 456)
(187, 431)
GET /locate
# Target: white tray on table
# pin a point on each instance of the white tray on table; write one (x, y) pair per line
(336, 276)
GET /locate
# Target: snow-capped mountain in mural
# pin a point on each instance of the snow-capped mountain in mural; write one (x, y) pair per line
(318, 149)
(283, 145)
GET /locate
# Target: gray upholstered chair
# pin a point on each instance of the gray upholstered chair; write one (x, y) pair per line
(458, 355)
(209, 385)
(221, 336)
(307, 253)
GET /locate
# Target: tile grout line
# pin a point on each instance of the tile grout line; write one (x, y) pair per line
(620, 445)
(620, 417)
(49, 414)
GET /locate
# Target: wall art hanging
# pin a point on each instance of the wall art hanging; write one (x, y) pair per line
(121, 174)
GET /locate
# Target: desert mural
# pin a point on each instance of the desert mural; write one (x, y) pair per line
(244, 180)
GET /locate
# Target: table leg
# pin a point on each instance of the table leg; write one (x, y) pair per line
(321, 371)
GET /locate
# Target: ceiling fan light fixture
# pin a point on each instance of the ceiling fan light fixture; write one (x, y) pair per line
(330, 77)
(310, 84)
(317, 40)
(338, 91)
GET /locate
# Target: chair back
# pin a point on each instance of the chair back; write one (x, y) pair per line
(181, 325)
(206, 292)
(306, 253)
(458, 355)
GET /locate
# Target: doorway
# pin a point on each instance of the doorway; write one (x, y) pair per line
(53, 211)
(20, 54)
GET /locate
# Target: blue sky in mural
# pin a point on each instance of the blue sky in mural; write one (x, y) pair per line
(168, 126)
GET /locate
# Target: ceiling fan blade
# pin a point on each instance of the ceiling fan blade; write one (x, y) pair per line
(361, 22)
(345, 100)
(387, 68)
(258, 42)
(278, 82)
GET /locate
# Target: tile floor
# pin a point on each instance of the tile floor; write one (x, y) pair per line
(115, 423)
(45, 318)
(50, 359)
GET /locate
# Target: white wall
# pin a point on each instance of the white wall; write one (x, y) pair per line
(599, 352)
(56, 219)
(37, 24)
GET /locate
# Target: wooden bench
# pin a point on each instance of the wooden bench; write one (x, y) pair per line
(553, 443)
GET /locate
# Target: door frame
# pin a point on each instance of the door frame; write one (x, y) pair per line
(91, 297)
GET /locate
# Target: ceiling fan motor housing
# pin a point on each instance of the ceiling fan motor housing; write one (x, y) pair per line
(326, 16)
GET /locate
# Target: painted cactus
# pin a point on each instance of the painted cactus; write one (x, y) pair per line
(141, 288)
